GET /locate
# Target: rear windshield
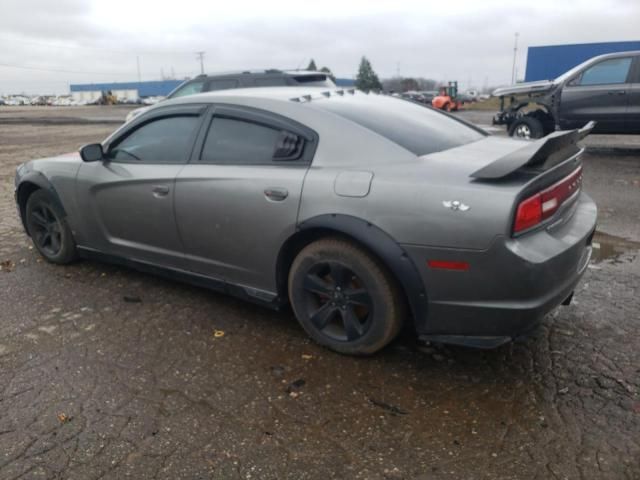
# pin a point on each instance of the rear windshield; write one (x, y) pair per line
(419, 129)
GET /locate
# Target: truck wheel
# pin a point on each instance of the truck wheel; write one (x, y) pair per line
(526, 128)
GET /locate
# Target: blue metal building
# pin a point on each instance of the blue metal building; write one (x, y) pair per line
(547, 62)
(145, 89)
(345, 82)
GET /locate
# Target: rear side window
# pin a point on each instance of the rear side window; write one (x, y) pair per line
(238, 142)
(319, 80)
(222, 84)
(416, 128)
(166, 140)
(607, 72)
(270, 82)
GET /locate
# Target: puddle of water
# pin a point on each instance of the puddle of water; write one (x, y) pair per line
(613, 249)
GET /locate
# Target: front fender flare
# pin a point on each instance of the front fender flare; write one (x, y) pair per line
(38, 180)
(385, 247)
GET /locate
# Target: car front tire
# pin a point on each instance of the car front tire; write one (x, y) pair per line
(344, 298)
(526, 128)
(48, 228)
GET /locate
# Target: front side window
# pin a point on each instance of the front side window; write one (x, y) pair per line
(239, 142)
(166, 140)
(607, 72)
(190, 88)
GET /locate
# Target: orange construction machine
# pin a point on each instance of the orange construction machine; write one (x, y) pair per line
(447, 98)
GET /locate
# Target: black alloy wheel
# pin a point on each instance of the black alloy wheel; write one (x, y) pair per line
(339, 303)
(344, 297)
(48, 228)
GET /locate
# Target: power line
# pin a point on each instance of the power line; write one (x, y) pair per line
(59, 70)
(84, 47)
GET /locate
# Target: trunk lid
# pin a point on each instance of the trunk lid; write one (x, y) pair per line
(496, 174)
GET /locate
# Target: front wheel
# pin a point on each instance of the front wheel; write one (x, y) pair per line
(48, 229)
(527, 128)
(344, 298)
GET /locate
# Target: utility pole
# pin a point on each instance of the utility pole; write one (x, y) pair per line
(201, 58)
(138, 65)
(515, 52)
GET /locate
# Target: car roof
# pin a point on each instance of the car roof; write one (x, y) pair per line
(288, 94)
(631, 53)
(260, 73)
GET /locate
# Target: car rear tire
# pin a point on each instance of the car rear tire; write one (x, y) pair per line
(344, 298)
(527, 128)
(48, 229)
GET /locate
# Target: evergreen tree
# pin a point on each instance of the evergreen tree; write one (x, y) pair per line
(367, 78)
(312, 66)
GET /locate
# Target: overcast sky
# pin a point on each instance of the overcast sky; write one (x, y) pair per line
(81, 41)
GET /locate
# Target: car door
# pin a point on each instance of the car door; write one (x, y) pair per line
(600, 93)
(633, 117)
(237, 200)
(127, 199)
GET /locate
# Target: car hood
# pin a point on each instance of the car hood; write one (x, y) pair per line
(134, 113)
(51, 164)
(523, 88)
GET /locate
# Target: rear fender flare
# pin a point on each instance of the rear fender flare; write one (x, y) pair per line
(385, 247)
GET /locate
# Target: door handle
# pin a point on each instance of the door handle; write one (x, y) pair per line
(617, 92)
(276, 194)
(160, 191)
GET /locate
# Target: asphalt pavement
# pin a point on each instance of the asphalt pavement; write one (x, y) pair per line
(109, 373)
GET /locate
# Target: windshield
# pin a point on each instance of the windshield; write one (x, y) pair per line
(419, 129)
(570, 73)
(189, 88)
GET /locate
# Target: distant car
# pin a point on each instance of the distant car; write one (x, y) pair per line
(362, 212)
(429, 95)
(246, 79)
(414, 96)
(605, 89)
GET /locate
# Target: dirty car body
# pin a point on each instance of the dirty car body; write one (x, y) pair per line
(604, 89)
(482, 235)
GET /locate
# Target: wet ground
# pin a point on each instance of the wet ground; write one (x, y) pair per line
(108, 373)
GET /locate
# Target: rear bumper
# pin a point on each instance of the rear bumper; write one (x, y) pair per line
(509, 287)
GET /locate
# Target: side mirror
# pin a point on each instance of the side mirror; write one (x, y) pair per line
(92, 153)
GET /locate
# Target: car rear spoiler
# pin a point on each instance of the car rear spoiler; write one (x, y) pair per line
(544, 153)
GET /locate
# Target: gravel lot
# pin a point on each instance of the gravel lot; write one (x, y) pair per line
(108, 373)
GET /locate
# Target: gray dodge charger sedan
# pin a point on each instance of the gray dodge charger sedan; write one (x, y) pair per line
(363, 212)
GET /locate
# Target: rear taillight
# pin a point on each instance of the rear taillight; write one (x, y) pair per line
(536, 208)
